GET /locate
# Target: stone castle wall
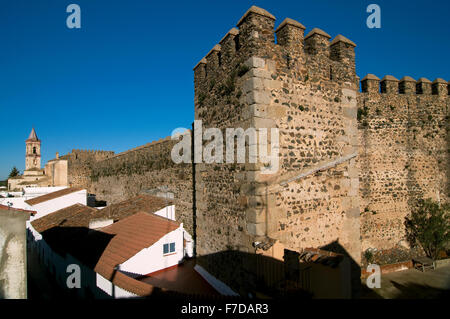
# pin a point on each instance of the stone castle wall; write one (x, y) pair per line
(404, 154)
(351, 163)
(118, 177)
(305, 87)
(80, 164)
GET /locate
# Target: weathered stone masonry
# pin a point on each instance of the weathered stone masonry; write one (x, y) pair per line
(307, 88)
(351, 163)
(361, 159)
(117, 177)
(404, 153)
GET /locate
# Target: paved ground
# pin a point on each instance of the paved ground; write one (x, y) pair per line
(413, 284)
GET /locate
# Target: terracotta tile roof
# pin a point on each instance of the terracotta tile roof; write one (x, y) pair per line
(101, 249)
(50, 196)
(146, 203)
(4, 207)
(131, 235)
(104, 248)
(77, 215)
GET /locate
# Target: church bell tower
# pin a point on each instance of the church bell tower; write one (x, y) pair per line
(33, 152)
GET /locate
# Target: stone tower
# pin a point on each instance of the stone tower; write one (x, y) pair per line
(33, 152)
(306, 86)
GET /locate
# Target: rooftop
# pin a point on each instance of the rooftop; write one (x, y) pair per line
(77, 215)
(146, 203)
(53, 195)
(130, 236)
(182, 278)
(4, 207)
(32, 137)
(102, 249)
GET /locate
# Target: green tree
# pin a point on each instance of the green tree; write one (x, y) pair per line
(14, 172)
(429, 226)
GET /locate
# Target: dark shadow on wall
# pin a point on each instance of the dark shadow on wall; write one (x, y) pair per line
(248, 274)
(307, 275)
(87, 245)
(355, 268)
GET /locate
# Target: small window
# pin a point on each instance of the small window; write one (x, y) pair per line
(168, 248)
(34, 150)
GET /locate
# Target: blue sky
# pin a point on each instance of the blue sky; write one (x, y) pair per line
(125, 78)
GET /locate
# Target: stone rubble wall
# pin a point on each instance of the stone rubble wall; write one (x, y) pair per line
(118, 177)
(404, 154)
(307, 87)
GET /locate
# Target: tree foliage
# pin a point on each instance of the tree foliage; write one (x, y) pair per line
(429, 226)
(14, 172)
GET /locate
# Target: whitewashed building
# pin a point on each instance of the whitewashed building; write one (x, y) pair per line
(54, 201)
(114, 246)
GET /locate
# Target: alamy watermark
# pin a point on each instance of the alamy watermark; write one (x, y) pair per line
(73, 20)
(374, 19)
(74, 279)
(236, 143)
(374, 279)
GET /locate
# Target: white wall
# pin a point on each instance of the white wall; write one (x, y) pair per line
(167, 212)
(32, 192)
(189, 250)
(111, 289)
(145, 262)
(61, 202)
(17, 202)
(152, 259)
(57, 265)
(28, 193)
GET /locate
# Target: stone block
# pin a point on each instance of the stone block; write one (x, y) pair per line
(255, 215)
(255, 62)
(258, 110)
(350, 112)
(256, 229)
(259, 73)
(353, 212)
(258, 97)
(264, 123)
(253, 83)
(272, 84)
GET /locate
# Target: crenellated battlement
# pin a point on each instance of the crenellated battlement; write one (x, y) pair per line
(314, 55)
(94, 152)
(407, 86)
(149, 157)
(158, 143)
